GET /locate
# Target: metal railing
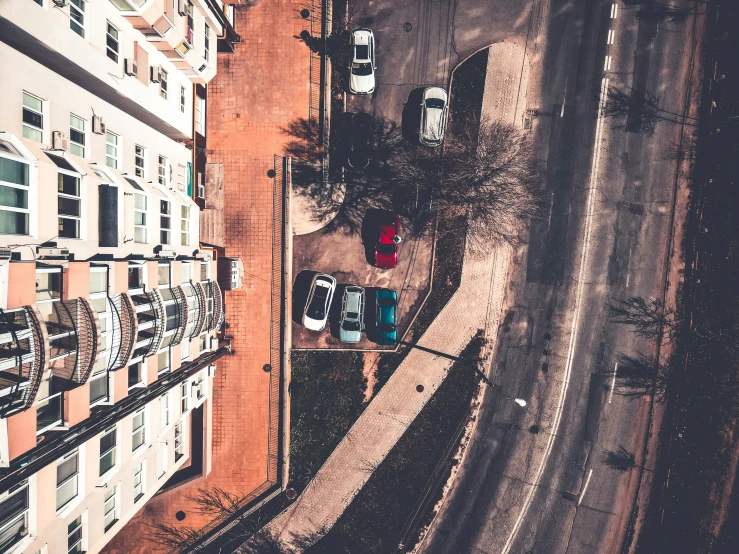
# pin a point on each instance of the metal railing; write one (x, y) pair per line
(217, 305)
(201, 311)
(75, 318)
(181, 301)
(29, 373)
(160, 320)
(124, 334)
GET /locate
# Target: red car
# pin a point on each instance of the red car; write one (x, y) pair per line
(388, 239)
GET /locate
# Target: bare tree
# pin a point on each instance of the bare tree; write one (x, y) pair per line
(491, 175)
(651, 318)
(642, 109)
(622, 460)
(173, 537)
(641, 375)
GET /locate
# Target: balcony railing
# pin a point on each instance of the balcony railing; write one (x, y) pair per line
(156, 314)
(181, 301)
(202, 309)
(31, 355)
(124, 331)
(77, 320)
(217, 306)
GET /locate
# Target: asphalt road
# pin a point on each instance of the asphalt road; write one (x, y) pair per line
(609, 189)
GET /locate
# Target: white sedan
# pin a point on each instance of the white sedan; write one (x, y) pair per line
(362, 70)
(319, 302)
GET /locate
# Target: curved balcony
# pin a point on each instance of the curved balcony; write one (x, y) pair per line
(215, 292)
(200, 298)
(124, 331)
(74, 339)
(29, 350)
(181, 302)
(155, 313)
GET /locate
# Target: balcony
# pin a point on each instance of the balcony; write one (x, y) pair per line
(24, 356)
(181, 302)
(151, 320)
(154, 19)
(124, 331)
(215, 313)
(74, 339)
(202, 308)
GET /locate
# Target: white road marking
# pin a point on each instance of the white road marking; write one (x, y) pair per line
(575, 320)
(611, 36)
(614, 11)
(613, 383)
(564, 100)
(551, 209)
(607, 64)
(582, 494)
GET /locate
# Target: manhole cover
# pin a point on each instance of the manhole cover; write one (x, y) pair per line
(304, 13)
(407, 27)
(180, 515)
(266, 368)
(291, 494)
(419, 388)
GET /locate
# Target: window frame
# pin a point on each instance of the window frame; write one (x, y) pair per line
(140, 430)
(141, 227)
(76, 476)
(179, 435)
(184, 397)
(77, 6)
(78, 198)
(163, 83)
(79, 523)
(116, 146)
(82, 147)
(162, 177)
(140, 160)
(206, 43)
(165, 412)
(185, 230)
(114, 450)
(110, 496)
(200, 114)
(29, 190)
(183, 99)
(23, 515)
(165, 233)
(30, 127)
(139, 471)
(116, 52)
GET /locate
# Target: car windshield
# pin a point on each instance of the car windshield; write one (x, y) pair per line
(386, 249)
(435, 103)
(351, 326)
(361, 52)
(386, 327)
(362, 68)
(317, 306)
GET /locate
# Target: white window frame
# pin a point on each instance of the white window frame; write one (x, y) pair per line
(114, 54)
(165, 221)
(29, 130)
(183, 99)
(163, 84)
(139, 473)
(81, 543)
(140, 160)
(200, 114)
(24, 516)
(162, 176)
(165, 412)
(76, 148)
(110, 509)
(185, 348)
(74, 478)
(162, 459)
(142, 382)
(179, 441)
(168, 353)
(139, 430)
(184, 397)
(114, 450)
(142, 228)
(185, 214)
(206, 43)
(182, 178)
(77, 7)
(78, 198)
(113, 160)
(29, 189)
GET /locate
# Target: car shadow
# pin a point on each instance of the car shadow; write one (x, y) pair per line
(301, 290)
(370, 226)
(347, 125)
(411, 117)
(334, 311)
(370, 309)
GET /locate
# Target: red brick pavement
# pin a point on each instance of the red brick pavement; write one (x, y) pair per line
(258, 90)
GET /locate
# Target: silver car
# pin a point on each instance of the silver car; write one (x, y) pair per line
(433, 116)
(319, 302)
(352, 315)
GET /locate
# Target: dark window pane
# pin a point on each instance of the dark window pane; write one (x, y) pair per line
(13, 223)
(69, 228)
(69, 206)
(107, 442)
(77, 136)
(32, 118)
(69, 185)
(66, 469)
(15, 198)
(12, 171)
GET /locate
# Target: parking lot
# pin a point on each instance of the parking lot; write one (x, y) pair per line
(342, 255)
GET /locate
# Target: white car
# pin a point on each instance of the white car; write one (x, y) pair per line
(362, 70)
(352, 315)
(433, 116)
(319, 302)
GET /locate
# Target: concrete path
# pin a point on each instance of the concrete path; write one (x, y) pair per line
(477, 304)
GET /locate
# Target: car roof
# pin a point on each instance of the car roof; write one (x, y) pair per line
(435, 92)
(362, 36)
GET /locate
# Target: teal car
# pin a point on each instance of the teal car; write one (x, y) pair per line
(386, 305)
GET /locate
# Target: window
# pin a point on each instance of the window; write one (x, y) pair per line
(135, 376)
(189, 32)
(33, 117)
(135, 277)
(99, 300)
(179, 443)
(14, 521)
(75, 536)
(181, 177)
(182, 99)
(77, 17)
(185, 397)
(234, 274)
(185, 349)
(163, 171)
(139, 218)
(107, 450)
(109, 508)
(69, 201)
(185, 226)
(206, 43)
(165, 224)
(67, 479)
(139, 430)
(140, 161)
(201, 186)
(77, 135)
(112, 151)
(163, 83)
(200, 115)
(199, 386)
(163, 412)
(163, 362)
(204, 342)
(162, 461)
(112, 46)
(138, 481)
(50, 406)
(14, 183)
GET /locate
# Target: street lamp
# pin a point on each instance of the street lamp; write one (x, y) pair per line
(519, 401)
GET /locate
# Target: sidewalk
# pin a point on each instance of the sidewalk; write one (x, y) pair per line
(257, 92)
(398, 403)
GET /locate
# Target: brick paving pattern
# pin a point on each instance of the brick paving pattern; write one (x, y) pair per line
(384, 421)
(258, 90)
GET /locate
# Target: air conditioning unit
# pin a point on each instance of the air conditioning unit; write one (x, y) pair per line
(155, 74)
(59, 141)
(52, 252)
(98, 125)
(201, 191)
(60, 3)
(167, 254)
(182, 7)
(5, 254)
(202, 68)
(130, 67)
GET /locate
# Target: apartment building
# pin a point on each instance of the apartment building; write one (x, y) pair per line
(109, 303)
